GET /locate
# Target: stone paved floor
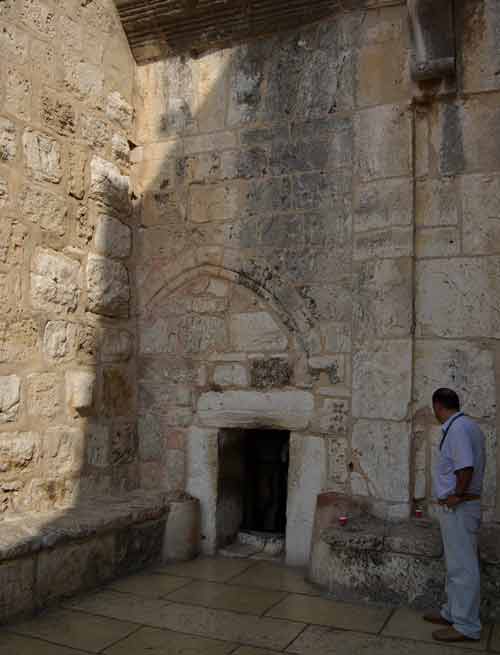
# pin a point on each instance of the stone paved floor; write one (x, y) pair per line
(218, 606)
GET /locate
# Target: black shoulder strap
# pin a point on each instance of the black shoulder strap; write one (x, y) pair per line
(445, 433)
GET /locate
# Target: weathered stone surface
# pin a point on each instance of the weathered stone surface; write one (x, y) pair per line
(44, 395)
(44, 208)
(453, 297)
(231, 375)
(267, 373)
(59, 340)
(383, 304)
(4, 192)
(112, 238)
(108, 186)
(58, 115)
(334, 367)
(14, 42)
(95, 131)
(117, 393)
(19, 451)
(436, 202)
(468, 368)
(8, 140)
(281, 409)
(108, 287)
(43, 156)
(119, 110)
(437, 242)
(333, 417)
(117, 346)
(382, 451)
(214, 203)
(17, 92)
(481, 214)
(83, 78)
(478, 26)
(257, 332)
(382, 381)
(383, 204)
(18, 340)
(183, 335)
(77, 160)
(338, 463)
(98, 447)
(394, 242)
(383, 142)
(54, 282)
(80, 389)
(307, 477)
(120, 148)
(10, 391)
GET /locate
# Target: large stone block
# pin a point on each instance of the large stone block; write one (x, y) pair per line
(83, 78)
(481, 214)
(437, 242)
(108, 186)
(453, 298)
(95, 131)
(392, 242)
(383, 299)
(44, 395)
(58, 115)
(54, 282)
(382, 381)
(117, 393)
(43, 156)
(8, 140)
(63, 450)
(10, 395)
(39, 17)
(479, 22)
(184, 334)
(466, 135)
(467, 367)
(119, 110)
(80, 390)
(112, 238)
(108, 287)
(437, 202)
(17, 94)
(18, 340)
(14, 43)
(77, 163)
(231, 375)
(383, 142)
(214, 203)
(290, 410)
(44, 208)
(59, 340)
(383, 204)
(257, 332)
(381, 449)
(307, 478)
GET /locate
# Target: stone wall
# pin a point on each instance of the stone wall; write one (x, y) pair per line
(67, 397)
(299, 173)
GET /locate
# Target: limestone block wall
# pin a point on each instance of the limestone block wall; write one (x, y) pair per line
(357, 210)
(67, 398)
(457, 209)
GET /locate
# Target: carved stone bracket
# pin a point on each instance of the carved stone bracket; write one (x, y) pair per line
(433, 39)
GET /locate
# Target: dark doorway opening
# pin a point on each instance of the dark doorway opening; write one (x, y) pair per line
(252, 482)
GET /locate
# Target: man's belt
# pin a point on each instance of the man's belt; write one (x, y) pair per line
(465, 497)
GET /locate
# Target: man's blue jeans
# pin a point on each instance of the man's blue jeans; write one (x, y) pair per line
(460, 531)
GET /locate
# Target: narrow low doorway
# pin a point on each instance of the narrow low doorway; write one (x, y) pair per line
(252, 483)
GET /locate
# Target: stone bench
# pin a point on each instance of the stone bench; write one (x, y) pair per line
(47, 556)
(394, 563)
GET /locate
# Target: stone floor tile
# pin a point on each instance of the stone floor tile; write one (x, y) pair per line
(409, 624)
(250, 650)
(75, 629)
(151, 585)
(11, 644)
(276, 576)
(151, 641)
(319, 640)
(124, 607)
(244, 629)
(495, 639)
(222, 596)
(320, 611)
(211, 569)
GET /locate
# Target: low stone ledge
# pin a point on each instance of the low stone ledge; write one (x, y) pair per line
(32, 532)
(396, 563)
(46, 557)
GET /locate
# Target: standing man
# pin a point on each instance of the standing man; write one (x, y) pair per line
(458, 480)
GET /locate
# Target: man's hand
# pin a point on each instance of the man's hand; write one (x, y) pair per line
(452, 501)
